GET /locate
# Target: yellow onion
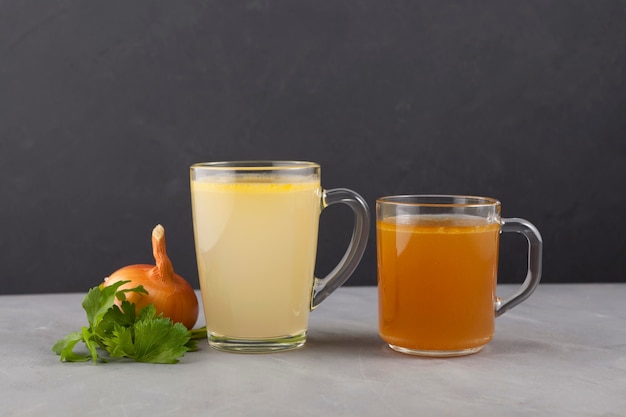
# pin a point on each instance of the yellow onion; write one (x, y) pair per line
(171, 295)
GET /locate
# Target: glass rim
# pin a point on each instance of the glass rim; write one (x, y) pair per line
(255, 165)
(437, 200)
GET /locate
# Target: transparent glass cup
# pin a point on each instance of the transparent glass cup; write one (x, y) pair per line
(437, 271)
(256, 230)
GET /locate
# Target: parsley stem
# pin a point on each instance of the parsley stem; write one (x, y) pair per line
(198, 333)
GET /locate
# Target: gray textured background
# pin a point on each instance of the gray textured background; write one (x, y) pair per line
(105, 104)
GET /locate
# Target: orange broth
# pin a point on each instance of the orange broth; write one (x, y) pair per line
(436, 281)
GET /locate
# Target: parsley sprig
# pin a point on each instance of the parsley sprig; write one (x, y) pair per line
(116, 332)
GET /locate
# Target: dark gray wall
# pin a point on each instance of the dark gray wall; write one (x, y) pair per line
(105, 104)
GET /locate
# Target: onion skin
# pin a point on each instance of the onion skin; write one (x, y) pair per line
(171, 295)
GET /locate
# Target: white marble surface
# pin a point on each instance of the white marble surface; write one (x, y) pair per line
(561, 353)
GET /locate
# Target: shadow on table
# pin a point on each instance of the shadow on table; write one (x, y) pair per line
(507, 346)
(364, 342)
(369, 343)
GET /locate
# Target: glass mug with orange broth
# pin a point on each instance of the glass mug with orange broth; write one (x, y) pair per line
(256, 228)
(437, 270)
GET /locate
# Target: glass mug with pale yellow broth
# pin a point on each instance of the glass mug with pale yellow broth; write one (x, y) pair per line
(437, 271)
(256, 229)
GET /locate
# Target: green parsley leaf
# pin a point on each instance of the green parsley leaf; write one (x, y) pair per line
(98, 300)
(65, 348)
(156, 340)
(91, 343)
(123, 333)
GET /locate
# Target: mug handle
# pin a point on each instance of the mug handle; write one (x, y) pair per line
(323, 287)
(533, 276)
